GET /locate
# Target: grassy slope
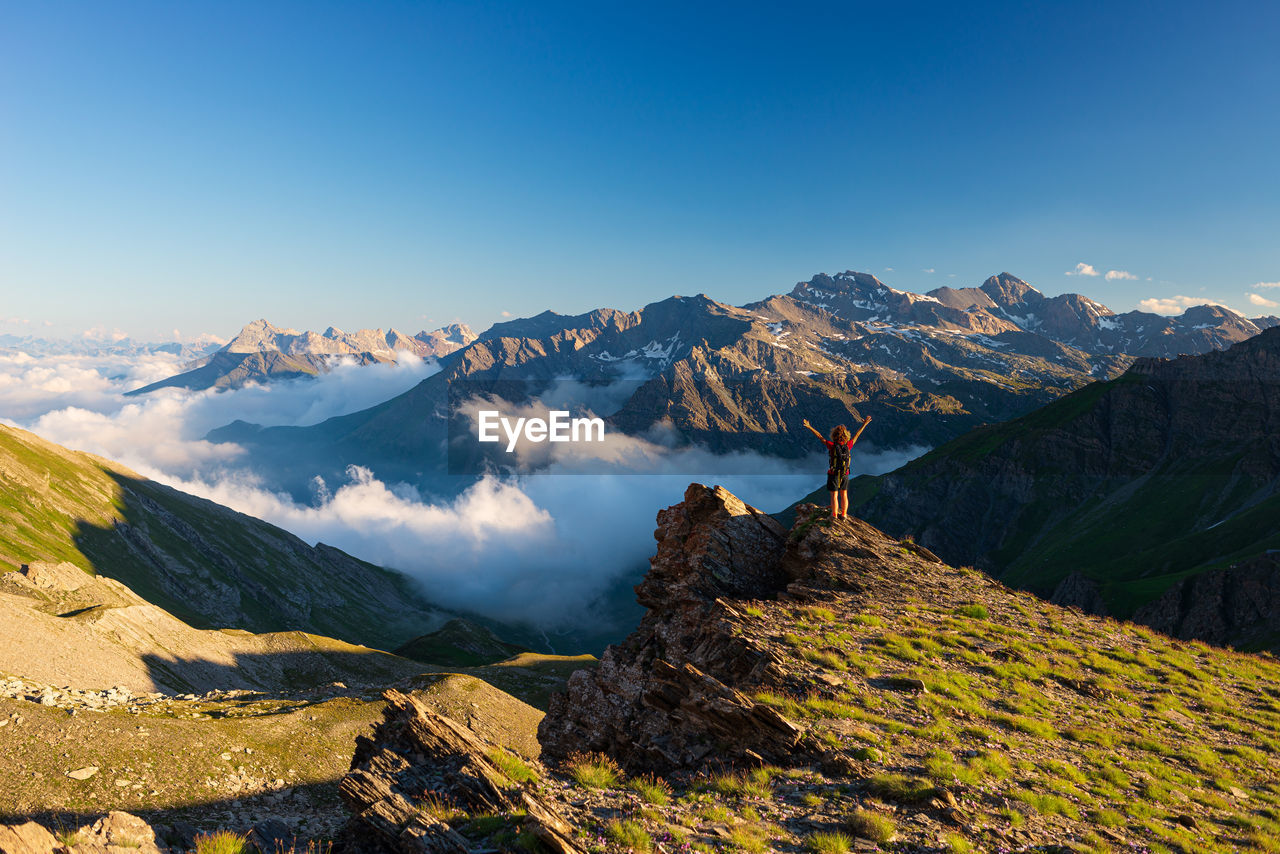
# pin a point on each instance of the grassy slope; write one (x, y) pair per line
(61, 505)
(1077, 723)
(1135, 536)
(459, 643)
(954, 714)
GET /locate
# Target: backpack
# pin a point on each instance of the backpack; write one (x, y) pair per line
(839, 458)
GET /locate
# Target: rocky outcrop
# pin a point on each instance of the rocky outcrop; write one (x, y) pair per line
(1239, 606)
(1078, 590)
(114, 832)
(416, 757)
(671, 696)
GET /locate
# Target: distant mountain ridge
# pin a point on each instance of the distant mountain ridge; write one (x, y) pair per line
(926, 367)
(1005, 303)
(262, 352)
(192, 349)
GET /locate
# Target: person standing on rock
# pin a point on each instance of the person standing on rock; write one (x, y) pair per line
(839, 449)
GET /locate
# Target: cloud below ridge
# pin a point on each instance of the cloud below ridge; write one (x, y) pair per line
(539, 549)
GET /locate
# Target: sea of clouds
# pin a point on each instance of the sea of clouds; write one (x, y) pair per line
(541, 549)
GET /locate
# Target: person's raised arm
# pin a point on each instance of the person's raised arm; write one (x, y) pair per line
(865, 422)
(813, 431)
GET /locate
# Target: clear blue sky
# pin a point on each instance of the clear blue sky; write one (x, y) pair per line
(195, 165)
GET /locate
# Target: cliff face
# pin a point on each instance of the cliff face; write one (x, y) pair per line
(652, 702)
(1239, 606)
(1170, 469)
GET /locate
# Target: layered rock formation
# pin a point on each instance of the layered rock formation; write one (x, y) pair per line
(671, 696)
(418, 756)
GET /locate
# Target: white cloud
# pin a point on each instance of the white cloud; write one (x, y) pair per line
(101, 333)
(506, 314)
(1175, 305)
(31, 386)
(929, 270)
(538, 548)
(1112, 275)
(1083, 269)
(1258, 299)
(1267, 285)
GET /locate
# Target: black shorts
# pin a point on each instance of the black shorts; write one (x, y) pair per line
(835, 484)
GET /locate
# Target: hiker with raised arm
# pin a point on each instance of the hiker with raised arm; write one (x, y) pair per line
(839, 448)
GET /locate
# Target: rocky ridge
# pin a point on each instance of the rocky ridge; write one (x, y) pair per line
(261, 352)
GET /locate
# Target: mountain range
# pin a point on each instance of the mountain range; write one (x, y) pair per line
(261, 352)
(194, 349)
(927, 367)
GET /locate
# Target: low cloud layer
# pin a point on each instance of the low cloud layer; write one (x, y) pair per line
(538, 549)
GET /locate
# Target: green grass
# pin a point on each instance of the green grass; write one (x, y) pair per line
(749, 838)
(866, 824)
(901, 788)
(652, 790)
(440, 809)
(977, 612)
(67, 837)
(1030, 726)
(829, 843)
(513, 767)
(756, 783)
(630, 834)
(222, 842)
(594, 770)
(1046, 804)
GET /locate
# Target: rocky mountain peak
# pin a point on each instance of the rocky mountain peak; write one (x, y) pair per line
(1008, 291)
(257, 336)
(1214, 315)
(848, 282)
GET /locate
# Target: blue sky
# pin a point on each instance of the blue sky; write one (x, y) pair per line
(197, 165)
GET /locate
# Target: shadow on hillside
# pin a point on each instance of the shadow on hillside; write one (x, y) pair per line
(281, 681)
(214, 568)
(284, 674)
(175, 825)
